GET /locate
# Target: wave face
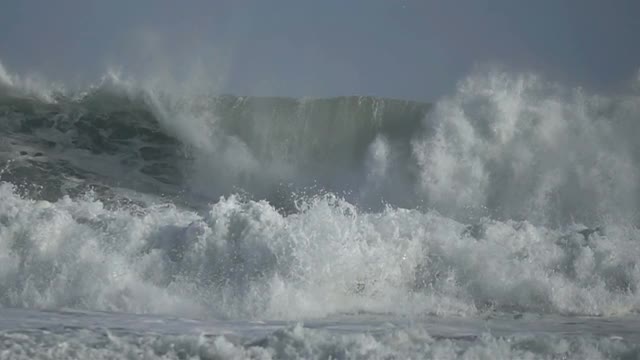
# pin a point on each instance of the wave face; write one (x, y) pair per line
(512, 194)
(208, 146)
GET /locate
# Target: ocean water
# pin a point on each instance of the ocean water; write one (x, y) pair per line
(148, 221)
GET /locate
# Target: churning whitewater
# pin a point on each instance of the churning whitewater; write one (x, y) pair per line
(512, 197)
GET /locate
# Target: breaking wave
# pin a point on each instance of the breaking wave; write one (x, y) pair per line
(512, 194)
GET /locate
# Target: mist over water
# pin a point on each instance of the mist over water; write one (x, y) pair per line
(512, 194)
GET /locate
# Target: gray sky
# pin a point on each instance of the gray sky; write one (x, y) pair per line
(413, 49)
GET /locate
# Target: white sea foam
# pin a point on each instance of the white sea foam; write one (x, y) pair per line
(244, 259)
(528, 149)
(302, 343)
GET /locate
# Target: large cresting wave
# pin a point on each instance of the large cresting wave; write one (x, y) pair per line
(511, 194)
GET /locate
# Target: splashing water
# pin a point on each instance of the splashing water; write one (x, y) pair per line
(512, 195)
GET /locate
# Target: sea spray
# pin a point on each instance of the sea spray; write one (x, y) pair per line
(512, 194)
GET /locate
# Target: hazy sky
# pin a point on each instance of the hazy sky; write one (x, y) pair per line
(399, 48)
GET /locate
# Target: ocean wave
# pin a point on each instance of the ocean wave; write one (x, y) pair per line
(506, 146)
(512, 194)
(209, 146)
